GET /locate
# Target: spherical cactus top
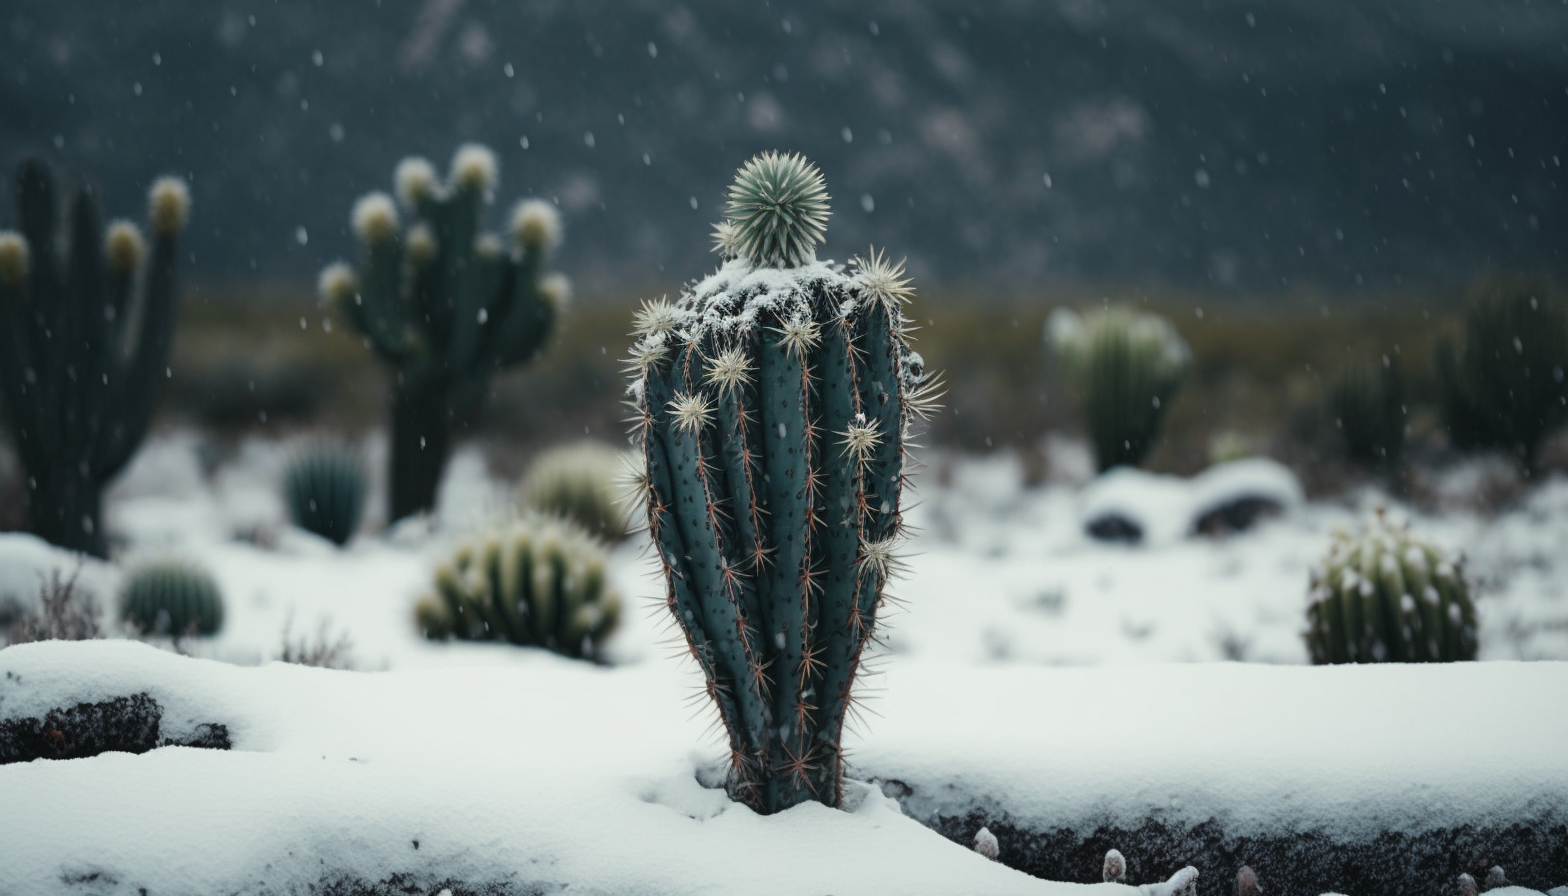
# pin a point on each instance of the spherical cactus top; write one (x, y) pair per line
(336, 284)
(474, 168)
(169, 205)
(14, 258)
(124, 246)
(421, 244)
(415, 179)
(556, 290)
(375, 219)
(779, 208)
(536, 225)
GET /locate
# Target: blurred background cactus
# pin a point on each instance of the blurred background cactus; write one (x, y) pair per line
(1368, 405)
(537, 581)
(1504, 387)
(171, 597)
(774, 401)
(581, 481)
(445, 304)
(1384, 596)
(324, 489)
(86, 321)
(1126, 367)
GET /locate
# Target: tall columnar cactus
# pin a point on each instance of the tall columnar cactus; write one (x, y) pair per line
(1368, 403)
(1126, 367)
(1382, 595)
(85, 328)
(773, 404)
(539, 581)
(1507, 387)
(444, 304)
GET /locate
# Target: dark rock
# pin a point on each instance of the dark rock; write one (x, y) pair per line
(1233, 516)
(122, 724)
(1114, 527)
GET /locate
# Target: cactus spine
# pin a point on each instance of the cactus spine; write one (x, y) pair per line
(324, 488)
(78, 377)
(1126, 367)
(1383, 596)
(539, 581)
(445, 305)
(172, 597)
(773, 403)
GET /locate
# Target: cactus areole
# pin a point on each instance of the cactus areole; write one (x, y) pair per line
(773, 403)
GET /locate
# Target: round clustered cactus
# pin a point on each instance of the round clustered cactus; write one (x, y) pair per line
(537, 581)
(172, 597)
(1382, 595)
(324, 487)
(581, 483)
(1126, 367)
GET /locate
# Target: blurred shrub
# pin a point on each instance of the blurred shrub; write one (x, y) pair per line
(1368, 404)
(580, 481)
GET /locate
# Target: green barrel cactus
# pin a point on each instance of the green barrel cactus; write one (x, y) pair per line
(445, 305)
(773, 405)
(324, 489)
(580, 482)
(537, 581)
(172, 597)
(1368, 404)
(1383, 596)
(86, 322)
(1126, 367)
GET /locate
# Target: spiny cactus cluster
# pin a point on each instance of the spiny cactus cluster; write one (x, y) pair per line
(537, 581)
(581, 482)
(773, 404)
(172, 597)
(324, 488)
(1126, 367)
(1382, 595)
(1368, 403)
(445, 304)
(85, 328)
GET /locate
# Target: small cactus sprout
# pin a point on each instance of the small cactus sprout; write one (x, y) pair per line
(536, 581)
(171, 597)
(1465, 886)
(986, 845)
(1114, 868)
(445, 304)
(1495, 878)
(1382, 595)
(1126, 367)
(1247, 882)
(1368, 403)
(324, 488)
(773, 403)
(581, 482)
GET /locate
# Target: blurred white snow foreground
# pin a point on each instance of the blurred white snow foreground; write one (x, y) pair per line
(546, 774)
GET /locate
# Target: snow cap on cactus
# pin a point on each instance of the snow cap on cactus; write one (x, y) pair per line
(375, 219)
(536, 225)
(414, 179)
(1465, 886)
(778, 205)
(14, 258)
(336, 283)
(556, 290)
(474, 168)
(168, 205)
(986, 845)
(488, 245)
(421, 241)
(124, 246)
(1114, 867)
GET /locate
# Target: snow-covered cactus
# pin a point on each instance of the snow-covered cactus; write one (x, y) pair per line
(536, 581)
(1126, 367)
(173, 597)
(986, 844)
(773, 402)
(85, 328)
(1368, 403)
(1247, 882)
(1114, 868)
(581, 482)
(1496, 878)
(324, 487)
(1465, 886)
(444, 304)
(1381, 595)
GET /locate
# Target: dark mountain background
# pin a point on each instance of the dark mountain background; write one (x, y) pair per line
(1343, 147)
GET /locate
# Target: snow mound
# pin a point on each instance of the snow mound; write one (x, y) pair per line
(1128, 504)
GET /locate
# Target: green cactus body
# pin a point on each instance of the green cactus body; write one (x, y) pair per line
(445, 305)
(1383, 596)
(773, 404)
(538, 581)
(1126, 367)
(172, 597)
(324, 488)
(85, 330)
(1368, 403)
(579, 482)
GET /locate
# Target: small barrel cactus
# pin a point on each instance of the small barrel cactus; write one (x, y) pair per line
(1126, 367)
(324, 487)
(172, 597)
(1382, 595)
(580, 482)
(773, 403)
(537, 581)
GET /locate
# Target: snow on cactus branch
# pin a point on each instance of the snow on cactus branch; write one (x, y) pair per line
(773, 401)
